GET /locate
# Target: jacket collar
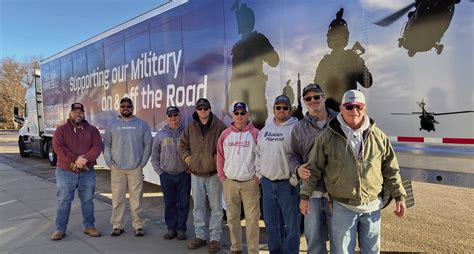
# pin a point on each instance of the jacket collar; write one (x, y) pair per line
(248, 127)
(335, 126)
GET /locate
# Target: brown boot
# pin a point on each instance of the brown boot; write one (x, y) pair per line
(214, 246)
(92, 232)
(196, 243)
(57, 235)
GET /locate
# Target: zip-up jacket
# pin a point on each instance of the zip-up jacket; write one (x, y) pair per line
(127, 144)
(273, 145)
(350, 179)
(236, 153)
(70, 142)
(165, 156)
(199, 148)
(302, 140)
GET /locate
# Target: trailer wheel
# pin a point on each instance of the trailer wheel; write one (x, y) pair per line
(21, 146)
(52, 158)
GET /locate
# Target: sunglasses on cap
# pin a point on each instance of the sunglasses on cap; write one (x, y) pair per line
(351, 107)
(314, 97)
(126, 106)
(173, 115)
(203, 108)
(240, 113)
(281, 108)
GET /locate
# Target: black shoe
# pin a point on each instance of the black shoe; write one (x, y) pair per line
(139, 232)
(170, 235)
(117, 231)
(181, 235)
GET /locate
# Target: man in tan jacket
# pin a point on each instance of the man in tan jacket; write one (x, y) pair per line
(198, 147)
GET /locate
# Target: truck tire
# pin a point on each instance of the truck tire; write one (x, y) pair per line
(21, 146)
(52, 157)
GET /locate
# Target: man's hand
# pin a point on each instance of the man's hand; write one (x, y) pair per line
(303, 171)
(304, 207)
(81, 162)
(400, 208)
(187, 160)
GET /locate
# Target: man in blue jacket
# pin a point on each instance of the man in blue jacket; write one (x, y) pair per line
(174, 178)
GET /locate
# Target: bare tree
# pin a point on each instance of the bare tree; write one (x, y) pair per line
(15, 78)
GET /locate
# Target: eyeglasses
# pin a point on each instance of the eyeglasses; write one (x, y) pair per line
(126, 106)
(203, 108)
(281, 108)
(241, 113)
(351, 107)
(314, 97)
(173, 115)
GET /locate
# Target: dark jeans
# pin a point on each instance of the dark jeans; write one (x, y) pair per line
(176, 191)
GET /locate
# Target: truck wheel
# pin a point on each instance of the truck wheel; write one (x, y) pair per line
(52, 158)
(21, 146)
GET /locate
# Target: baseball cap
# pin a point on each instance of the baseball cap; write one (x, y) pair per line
(241, 106)
(171, 110)
(203, 102)
(126, 99)
(282, 99)
(77, 105)
(312, 87)
(353, 97)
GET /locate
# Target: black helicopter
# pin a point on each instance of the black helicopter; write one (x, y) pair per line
(426, 24)
(427, 120)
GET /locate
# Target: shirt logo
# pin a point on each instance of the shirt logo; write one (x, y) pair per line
(273, 136)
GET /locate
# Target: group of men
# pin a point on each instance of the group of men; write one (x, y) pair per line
(328, 166)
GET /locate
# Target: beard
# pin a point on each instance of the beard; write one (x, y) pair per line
(126, 114)
(77, 120)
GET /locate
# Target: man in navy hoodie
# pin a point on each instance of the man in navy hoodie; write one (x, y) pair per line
(77, 145)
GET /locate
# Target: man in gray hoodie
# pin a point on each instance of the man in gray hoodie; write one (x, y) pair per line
(127, 148)
(280, 196)
(175, 181)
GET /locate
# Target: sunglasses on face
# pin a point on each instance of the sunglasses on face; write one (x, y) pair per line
(126, 106)
(241, 113)
(281, 108)
(173, 115)
(314, 97)
(351, 107)
(202, 108)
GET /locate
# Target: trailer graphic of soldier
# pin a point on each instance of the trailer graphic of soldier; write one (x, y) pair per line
(341, 69)
(248, 82)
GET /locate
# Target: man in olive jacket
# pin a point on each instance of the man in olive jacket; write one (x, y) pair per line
(356, 159)
(198, 147)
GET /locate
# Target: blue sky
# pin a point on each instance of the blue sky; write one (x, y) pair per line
(45, 27)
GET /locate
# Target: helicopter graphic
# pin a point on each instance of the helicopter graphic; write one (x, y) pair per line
(426, 24)
(427, 120)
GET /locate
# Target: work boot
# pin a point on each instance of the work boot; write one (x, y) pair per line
(181, 235)
(57, 235)
(117, 231)
(92, 232)
(139, 232)
(170, 235)
(214, 246)
(196, 243)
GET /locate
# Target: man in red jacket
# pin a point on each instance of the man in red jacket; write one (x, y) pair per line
(77, 145)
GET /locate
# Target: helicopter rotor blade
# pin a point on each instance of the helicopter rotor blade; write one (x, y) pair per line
(392, 18)
(452, 113)
(412, 113)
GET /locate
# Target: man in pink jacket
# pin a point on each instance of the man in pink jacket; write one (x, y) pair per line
(236, 170)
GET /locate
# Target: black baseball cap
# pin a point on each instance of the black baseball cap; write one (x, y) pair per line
(282, 99)
(172, 109)
(203, 102)
(77, 105)
(312, 87)
(126, 99)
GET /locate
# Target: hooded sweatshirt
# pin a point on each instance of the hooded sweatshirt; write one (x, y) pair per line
(236, 153)
(273, 145)
(165, 156)
(127, 144)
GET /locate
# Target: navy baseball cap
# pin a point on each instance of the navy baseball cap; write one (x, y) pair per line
(77, 105)
(171, 110)
(241, 106)
(282, 99)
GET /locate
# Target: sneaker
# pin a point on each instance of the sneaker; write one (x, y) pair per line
(117, 231)
(214, 246)
(92, 232)
(139, 232)
(196, 243)
(170, 235)
(57, 235)
(181, 235)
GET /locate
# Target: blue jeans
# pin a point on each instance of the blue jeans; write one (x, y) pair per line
(281, 215)
(316, 226)
(67, 183)
(211, 186)
(176, 191)
(348, 223)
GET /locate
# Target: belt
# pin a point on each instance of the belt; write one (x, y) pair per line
(239, 181)
(204, 174)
